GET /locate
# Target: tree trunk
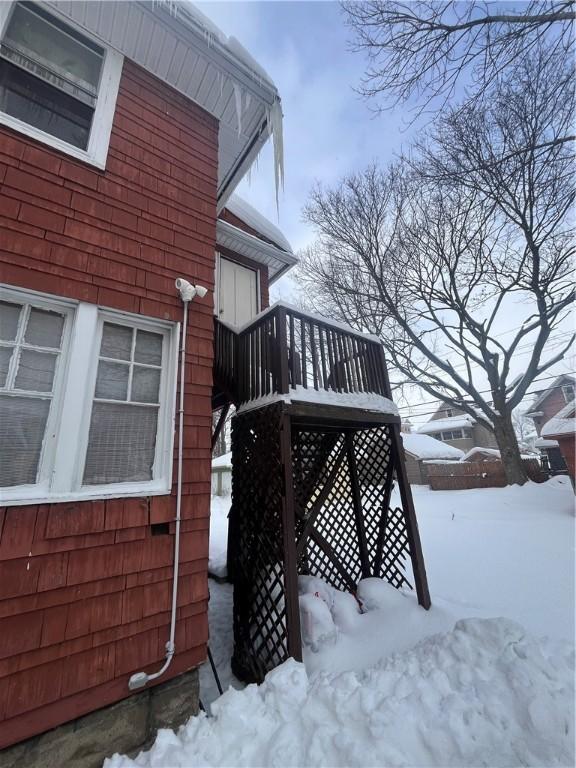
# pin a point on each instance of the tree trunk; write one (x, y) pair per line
(509, 451)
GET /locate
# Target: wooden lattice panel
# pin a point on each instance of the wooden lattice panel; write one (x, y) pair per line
(256, 541)
(310, 500)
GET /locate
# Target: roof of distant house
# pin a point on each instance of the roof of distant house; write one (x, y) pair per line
(426, 447)
(452, 422)
(539, 399)
(564, 423)
(224, 461)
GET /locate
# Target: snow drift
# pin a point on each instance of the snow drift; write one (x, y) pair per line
(484, 694)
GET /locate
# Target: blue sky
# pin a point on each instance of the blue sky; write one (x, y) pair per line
(328, 128)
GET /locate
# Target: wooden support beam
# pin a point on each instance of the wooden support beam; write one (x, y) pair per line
(220, 423)
(420, 579)
(357, 501)
(289, 544)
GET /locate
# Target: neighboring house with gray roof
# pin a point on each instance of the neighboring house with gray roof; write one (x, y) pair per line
(458, 429)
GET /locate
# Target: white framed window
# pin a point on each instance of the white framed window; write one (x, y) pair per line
(87, 401)
(568, 392)
(56, 84)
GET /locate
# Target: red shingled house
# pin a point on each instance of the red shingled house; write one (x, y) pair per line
(124, 129)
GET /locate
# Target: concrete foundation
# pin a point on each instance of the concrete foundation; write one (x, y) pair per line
(126, 727)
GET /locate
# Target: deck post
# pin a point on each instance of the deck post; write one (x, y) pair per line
(420, 579)
(289, 532)
(282, 351)
(357, 501)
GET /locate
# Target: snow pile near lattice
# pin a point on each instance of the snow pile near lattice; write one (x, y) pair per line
(249, 215)
(365, 401)
(564, 423)
(425, 447)
(483, 694)
(462, 421)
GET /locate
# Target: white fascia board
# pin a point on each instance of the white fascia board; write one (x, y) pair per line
(235, 239)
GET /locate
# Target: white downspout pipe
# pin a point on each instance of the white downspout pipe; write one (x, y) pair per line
(140, 679)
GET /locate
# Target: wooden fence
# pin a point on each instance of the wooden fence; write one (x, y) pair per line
(459, 476)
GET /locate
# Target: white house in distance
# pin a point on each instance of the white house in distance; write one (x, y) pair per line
(458, 429)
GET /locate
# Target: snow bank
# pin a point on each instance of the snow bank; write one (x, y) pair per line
(218, 546)
(426, 447)
(483, 694)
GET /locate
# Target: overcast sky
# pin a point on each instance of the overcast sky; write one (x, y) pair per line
(328, 129)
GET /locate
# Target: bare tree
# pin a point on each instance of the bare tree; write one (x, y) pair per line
(425, 50)
(432, 260)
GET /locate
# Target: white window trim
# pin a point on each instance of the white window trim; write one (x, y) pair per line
(101, 129)
(66, 438)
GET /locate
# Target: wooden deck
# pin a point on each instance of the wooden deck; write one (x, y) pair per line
(283, 349)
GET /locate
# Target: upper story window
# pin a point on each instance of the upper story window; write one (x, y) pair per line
(568, 392)
(86, 401)
(56, 84)
(448, 412)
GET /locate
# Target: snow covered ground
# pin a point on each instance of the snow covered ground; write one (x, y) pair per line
(463, 684)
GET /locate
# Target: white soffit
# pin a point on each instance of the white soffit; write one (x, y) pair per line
(176, 43)
(237, 240)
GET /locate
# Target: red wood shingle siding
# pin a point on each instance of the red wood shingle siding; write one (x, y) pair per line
(85, 587)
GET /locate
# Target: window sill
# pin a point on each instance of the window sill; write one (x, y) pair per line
(51, 141)
(41, 496)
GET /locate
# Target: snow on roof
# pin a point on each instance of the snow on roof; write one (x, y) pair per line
(452, 422)
(224, 461)
(543, 442)
(564, 423)
(478, 449)
(539, 399)
(426, 447)
(249, 215)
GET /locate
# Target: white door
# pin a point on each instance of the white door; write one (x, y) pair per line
(238, 297)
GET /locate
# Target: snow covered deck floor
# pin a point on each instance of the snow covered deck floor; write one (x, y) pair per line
(286, 354)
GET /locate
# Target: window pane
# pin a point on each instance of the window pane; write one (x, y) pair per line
(44, 329)
(37, 103)
(5, 355)
(35, 371)
(145, 385)
(121, 444)
(116, 342)
(44, 42)
(148, 348)
(9, 316)
(112, 380)
(22, 427)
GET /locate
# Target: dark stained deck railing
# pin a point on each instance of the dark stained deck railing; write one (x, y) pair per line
(284, 348)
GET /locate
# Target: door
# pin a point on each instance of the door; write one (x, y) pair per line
(238, 295)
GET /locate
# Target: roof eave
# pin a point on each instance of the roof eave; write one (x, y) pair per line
(278, 261)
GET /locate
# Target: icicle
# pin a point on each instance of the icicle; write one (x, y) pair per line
(274, 116)
(238, 104)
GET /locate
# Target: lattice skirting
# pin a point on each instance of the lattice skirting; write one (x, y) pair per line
(310, 500)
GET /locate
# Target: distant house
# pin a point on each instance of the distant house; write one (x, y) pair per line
(457, 428)
(419, 449)
(562, 429)
(546, 405)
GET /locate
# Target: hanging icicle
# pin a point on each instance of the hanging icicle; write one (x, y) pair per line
(274, 116)
(238, 105)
